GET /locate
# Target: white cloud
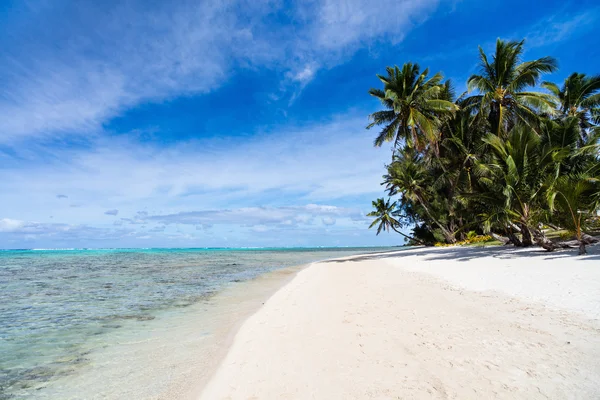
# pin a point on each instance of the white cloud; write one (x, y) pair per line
(327, 170)
(121, 54)
(70, 231)
(10, 225)
(118, 55)
(345, 23)
(559, 27)
(305, 75)
(297, 81)
(328, 221)
(323, 162)
(259, 217)
(72, 79)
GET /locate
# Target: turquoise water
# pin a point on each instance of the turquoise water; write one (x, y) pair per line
(56, 304)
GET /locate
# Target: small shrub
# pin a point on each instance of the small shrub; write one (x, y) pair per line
(566, 236)
(473, 239)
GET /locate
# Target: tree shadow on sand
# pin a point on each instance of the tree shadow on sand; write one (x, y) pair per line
(471, 253)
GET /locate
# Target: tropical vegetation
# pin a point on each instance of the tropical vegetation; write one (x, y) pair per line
(514, 157)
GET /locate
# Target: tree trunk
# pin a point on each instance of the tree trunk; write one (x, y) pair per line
(588, 239)
(526, 233)
(542, 241)
(408, 237)
(513, 238)
(582, 249)
(514, 226)
(461, 233)
(449, 237)
(499, 238)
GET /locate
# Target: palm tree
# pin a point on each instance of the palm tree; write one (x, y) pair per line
(501, 86)
(408, 176)
(579, 98)
(517, 174)
(573, 195)
(413, 105)
(385, 213)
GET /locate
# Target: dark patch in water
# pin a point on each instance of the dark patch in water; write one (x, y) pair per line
(127, 317)
(28, 378)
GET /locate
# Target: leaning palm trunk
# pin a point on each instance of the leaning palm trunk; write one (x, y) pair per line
(582, 249)
(512, 236)
(526, 234)
(582, 240)
(408, 237)
(585, 239)
(448, 236)
(502, 239)
(514, 239)
(542, 241)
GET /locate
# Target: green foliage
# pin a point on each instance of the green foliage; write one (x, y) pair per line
(503, 158)
(414, 106)
(501, 87)
(387, 216)
(473, 240)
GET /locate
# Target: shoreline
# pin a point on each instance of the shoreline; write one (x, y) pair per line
(266, 285)
(313, 338)
(181, 348)
(274, 283)
(144, 325)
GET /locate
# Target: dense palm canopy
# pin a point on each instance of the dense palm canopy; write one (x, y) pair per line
(502, 85)
(579, 98)
(509, 159)
(414, 105)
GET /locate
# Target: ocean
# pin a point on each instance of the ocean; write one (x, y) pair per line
(124, 323)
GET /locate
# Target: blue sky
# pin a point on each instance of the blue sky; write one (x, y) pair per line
(226, 123)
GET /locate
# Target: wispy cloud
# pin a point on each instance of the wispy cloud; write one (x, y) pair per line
(63, 83)
(289, 216)
(348, 23)
(265, 180)
(298, 80)
(72, 78)
(322, 162)
(559, 27)
(11, 229)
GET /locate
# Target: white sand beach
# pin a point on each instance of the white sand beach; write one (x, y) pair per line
(444, 323)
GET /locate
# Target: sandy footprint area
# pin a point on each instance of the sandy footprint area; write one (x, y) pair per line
(423, 324)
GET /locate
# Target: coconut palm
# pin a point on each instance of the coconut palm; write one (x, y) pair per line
(502, 83)
(579, 98)
(489, 162)
(573, 196)
(414, 104)
(518, 172)
(385, 214)
(408, 176)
